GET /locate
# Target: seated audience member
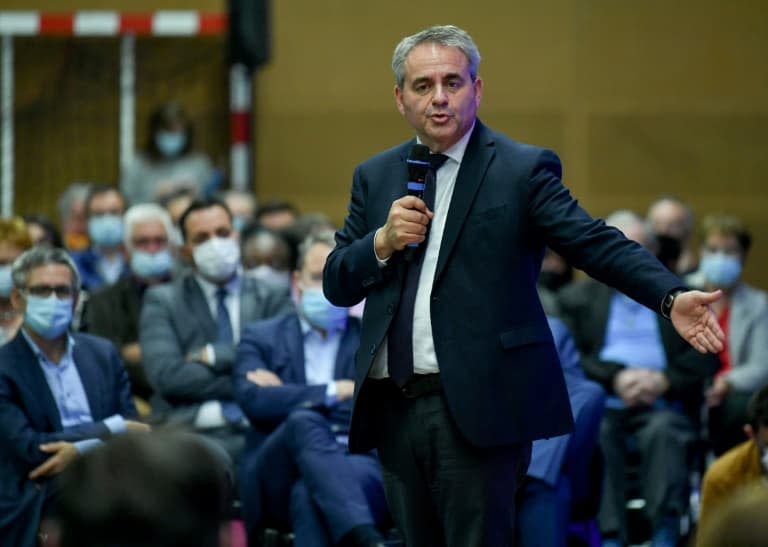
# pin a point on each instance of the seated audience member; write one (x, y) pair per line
(72, 217)
(168, 161)
(59, 392)
(743, 316)
(243, 207)
(654, 380)
(293, 381)
(113, 312)
(555, 273)
(14, 240)
(743, 465)
(267, 255)
(740, 521)
(189, 328)
(103, 263)
(671, 219)
(43, 231)
(276, 214)
(558, 474)
(154, 490)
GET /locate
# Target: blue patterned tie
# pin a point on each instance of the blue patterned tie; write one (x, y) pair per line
(400, 339)
(222, 317)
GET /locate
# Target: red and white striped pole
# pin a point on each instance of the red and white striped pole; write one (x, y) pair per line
(240, 115)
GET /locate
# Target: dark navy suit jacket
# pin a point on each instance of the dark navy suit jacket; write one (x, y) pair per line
(29, 417)
(277, 344)
(498, 363)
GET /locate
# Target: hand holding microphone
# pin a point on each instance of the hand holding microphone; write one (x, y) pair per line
(409, 216)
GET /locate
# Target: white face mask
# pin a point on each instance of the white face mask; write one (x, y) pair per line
(217, 258)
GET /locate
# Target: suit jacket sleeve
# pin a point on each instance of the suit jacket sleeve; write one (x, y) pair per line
(269, 405)
(178, 380)
(352, 270)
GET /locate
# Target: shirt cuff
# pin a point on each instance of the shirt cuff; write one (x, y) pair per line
(116, 424)
(330, 394)
(87, 445)
(381, 261)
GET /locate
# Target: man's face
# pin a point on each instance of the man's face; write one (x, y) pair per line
(149, 236)
(438, 98)
(41, 281)
(107, 203)
(203, 224)
(670, 219)
(311, 274)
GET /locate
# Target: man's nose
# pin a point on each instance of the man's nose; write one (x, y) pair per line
(440, 96)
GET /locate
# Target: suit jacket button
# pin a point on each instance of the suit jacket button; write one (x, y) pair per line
(373, 349)
(391, 309)
(435, 299)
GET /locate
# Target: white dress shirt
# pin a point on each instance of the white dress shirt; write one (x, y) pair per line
(424, 357)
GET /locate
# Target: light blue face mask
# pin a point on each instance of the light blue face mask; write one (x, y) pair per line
(105, 230)
(720, 269)
(148, 265)
(170, 143)
(6, 281)
(320, 312)
(48, 316)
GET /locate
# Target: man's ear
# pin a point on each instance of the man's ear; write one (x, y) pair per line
(749, 431)
(399, 100)
(17, 300)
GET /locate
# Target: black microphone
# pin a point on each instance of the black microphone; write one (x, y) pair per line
(418, 167)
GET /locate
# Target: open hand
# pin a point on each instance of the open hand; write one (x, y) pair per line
(63, 453)
(695, 321)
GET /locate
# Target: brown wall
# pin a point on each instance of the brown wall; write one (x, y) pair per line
(638, 98)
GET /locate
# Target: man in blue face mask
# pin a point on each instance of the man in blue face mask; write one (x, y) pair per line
(113, 312)
(60, 393)
(293, 379)
(104, 262)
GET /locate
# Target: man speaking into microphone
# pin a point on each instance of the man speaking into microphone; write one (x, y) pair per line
(457, 372)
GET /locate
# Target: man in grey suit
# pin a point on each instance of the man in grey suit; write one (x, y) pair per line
(189, 328)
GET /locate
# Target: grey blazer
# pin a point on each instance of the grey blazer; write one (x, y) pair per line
(748, 339)
(175, 321)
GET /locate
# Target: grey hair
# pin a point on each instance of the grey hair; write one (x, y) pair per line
(40, 256)
(145, 212)
(77, 191)
(324, 237)
(445, 35)
(625, 220)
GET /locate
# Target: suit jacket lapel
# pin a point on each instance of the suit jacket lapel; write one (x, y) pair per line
(198, 305)
(83, 360)
(475, 163)
(292, 334)
(32, 376)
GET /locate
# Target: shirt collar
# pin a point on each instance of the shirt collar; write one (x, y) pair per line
(209, 289)
(456, 152)
(39, 353)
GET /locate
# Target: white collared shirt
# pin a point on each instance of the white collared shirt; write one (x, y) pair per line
(232, 300)
(424, 357)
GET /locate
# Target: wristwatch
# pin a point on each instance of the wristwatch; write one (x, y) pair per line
(666, 304)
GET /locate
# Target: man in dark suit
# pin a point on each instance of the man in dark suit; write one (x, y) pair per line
(655, 382)
(59, 392)
(293, 379)
(189, 328)
(453, 416)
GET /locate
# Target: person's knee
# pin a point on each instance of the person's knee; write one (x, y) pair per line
(301, 423)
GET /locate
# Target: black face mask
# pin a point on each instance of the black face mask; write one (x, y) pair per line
(555, 280)
(669, 251)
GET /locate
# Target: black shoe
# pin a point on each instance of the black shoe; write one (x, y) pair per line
(364, 535)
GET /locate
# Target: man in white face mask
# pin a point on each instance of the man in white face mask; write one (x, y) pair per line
(745, 464)
(104, 262)
(113, 312)
(293, 379)
(189, 328)
(60, 392)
